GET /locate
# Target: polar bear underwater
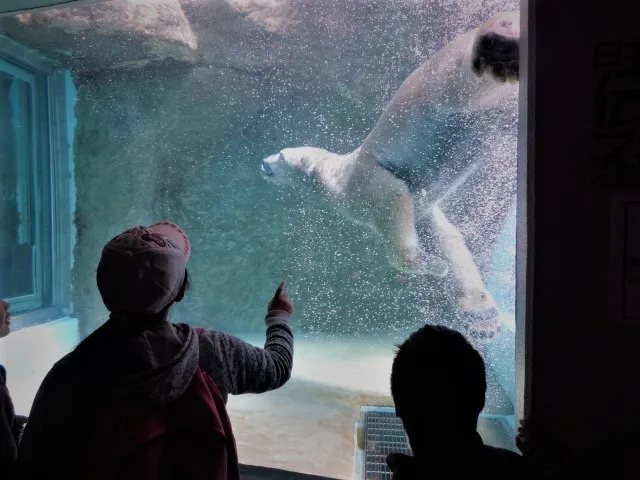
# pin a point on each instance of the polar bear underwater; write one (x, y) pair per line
(453, 121)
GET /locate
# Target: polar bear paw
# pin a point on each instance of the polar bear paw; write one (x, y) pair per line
(481, 326)
(497, 53)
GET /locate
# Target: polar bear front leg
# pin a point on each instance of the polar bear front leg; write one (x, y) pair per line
(402, 243)
(475, 302)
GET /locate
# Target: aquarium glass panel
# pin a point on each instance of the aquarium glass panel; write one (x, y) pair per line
(362, 151)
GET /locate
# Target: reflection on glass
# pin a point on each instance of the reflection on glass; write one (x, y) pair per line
(186, 108)
(17, 213)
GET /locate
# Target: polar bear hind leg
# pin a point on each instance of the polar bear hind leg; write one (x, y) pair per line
(401, 241)
(475, 303)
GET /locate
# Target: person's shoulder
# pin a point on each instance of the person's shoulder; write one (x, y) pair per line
(501, 454)
(505, 460)
(506, 463)
(66, 361)
(63, 369)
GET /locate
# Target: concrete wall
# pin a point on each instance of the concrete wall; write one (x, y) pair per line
(29, 354)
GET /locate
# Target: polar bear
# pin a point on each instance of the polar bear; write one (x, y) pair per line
(418, 154)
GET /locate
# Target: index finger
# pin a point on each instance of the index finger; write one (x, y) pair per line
(280, 288)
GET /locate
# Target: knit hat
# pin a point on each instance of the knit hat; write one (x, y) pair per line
(142, 270)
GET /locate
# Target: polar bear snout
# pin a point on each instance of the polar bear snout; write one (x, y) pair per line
(271, 167)
(266, 169)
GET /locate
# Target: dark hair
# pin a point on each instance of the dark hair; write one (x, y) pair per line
(186, 284)
(437, 369)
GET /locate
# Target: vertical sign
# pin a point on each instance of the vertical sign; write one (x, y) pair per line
(616, 152)
(616, 167)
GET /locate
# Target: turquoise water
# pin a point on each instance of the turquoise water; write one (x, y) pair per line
(175, 127)
(501, 278)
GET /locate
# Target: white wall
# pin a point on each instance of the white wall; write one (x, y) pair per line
(30, 353)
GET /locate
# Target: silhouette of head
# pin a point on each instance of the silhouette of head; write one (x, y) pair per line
(438, 384)
(143, 271)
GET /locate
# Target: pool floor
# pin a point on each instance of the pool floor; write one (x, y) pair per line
(308, 426)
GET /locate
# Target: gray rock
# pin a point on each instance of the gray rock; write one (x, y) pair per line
(91, 37)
